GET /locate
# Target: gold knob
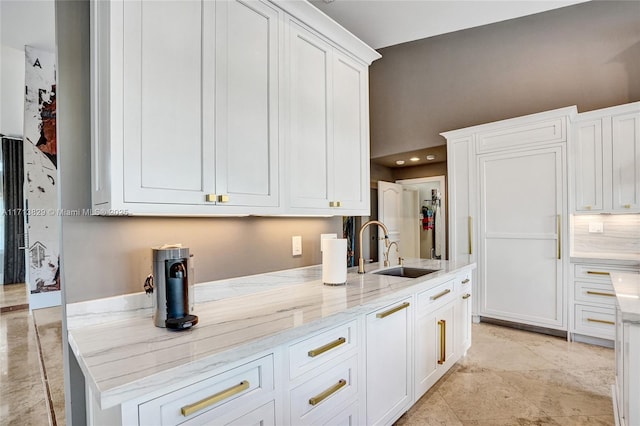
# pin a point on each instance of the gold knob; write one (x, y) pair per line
(223, 198)
(211, 198)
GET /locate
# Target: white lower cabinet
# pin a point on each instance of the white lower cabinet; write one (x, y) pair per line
(626, 391)
(464, 312)
(389, 358)
(221, 399)
(593, 303)
(434, 335)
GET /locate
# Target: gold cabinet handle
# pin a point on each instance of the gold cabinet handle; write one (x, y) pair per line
(600, 293)
(601, 321)
(466, 280)
(597, 273)
(315, 400)
(211, 198)
(443, 341)
(322, 349)
(335, 204)
(470, 234)
(187, 410)
(559, 226)
(627, 206)
(587, 207)
(466, 296)
(223, 198)
(393, 310)
(442, 293)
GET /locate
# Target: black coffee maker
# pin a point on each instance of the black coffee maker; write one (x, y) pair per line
(171, 285)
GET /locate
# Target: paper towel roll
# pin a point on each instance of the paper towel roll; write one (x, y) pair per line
(334, 261)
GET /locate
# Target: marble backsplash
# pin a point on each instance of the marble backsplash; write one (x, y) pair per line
(621, 234)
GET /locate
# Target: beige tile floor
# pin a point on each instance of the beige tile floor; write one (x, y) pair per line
(31, 377)
(514, 377)
(509, 377)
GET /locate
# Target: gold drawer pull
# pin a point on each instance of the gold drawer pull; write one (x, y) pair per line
(600, 293)
(187, 410)
(393, 310)
(601, 321)
(223, 198)
(559, 227)
(587, 207)
(327, 347)
(211, 198)
(335, 204)
(597, 273)
(470, 229)
(443, 341)
(627, 206)
(466, 296)
(324, 395)
(442, 293)
(466, 280)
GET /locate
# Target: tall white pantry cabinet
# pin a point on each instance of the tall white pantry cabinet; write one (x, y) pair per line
(508, 211)
(196, 105)
(512, 186)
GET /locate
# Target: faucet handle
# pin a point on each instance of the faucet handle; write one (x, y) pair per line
(400, 261)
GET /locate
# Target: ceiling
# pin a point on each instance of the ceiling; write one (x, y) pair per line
(382, 23)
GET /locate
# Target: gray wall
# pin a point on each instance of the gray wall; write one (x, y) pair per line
(586, 55)
(104, 257)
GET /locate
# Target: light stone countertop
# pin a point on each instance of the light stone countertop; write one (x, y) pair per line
(627, 288)
(124, 356)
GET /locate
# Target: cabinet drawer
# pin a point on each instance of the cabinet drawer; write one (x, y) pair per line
(319, 397)
(436, 296)
(595, 321)
(323, 347)
(599, 273)
(595, 293)
(203, 401)
(347, 417)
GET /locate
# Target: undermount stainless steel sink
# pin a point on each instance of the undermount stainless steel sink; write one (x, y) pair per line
(406, 272)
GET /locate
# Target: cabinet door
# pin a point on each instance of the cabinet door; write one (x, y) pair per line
(461, 199)
(246, 99)
(167, 157)
(310, 149)
(463, 318)
(521, 202)
(588, 160)
(350, 161)
(626, 162)
(388, 363)
(435, 346)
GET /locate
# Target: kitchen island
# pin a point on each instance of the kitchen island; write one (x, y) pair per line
(626, 391)
(135, 371)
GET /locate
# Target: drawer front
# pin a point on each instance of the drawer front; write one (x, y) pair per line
(323, 347)
(595, 293)
(595, 321)
(319, 397)
(598, 273)
(347, 417)
(242, 387)
(436, 296)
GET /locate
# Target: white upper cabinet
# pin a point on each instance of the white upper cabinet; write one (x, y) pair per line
(187, 109)
(246, 99)
(606, 160)
(328, 141)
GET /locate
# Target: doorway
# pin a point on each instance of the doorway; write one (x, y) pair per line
(428, 224)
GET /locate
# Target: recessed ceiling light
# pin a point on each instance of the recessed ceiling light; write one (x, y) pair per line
(400, 162)
(431, 157)
(414, 159)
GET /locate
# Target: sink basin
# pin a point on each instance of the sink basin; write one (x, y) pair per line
(406, 272)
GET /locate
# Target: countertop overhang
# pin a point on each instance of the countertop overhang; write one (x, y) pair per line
(123, 356)
(627, 288)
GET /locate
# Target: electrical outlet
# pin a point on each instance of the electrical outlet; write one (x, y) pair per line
(326, 237)
(296, 245)
(596, 227)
